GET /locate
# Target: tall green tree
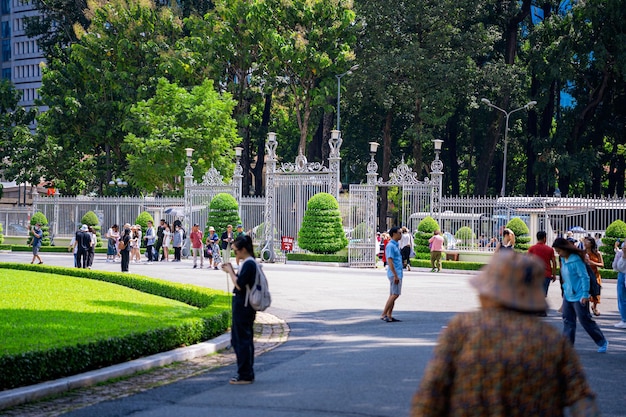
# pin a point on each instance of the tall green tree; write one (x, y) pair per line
(17, 160)
(169, 122)
(116, 63)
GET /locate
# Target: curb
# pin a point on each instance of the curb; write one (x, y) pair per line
(35, 392)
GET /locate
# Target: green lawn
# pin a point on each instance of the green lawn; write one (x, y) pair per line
(39, 311)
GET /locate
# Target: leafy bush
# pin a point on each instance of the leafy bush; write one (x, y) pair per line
(223, 210)
(36, 366)
(91, 219)
(521, 231)
(425, 230)
(465, 235)
(316, 257)
(40, 218)
(322, 229)
(616, 230)
(1, 235)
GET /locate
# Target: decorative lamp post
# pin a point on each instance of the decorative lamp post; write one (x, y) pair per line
(267, 253)
(238, 174)
(188, 183)
(334, 161)
(339, 76)
(372, 166)
(118, 183)
(526, 106)
(436, 173)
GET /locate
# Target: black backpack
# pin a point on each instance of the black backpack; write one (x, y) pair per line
(594, 287)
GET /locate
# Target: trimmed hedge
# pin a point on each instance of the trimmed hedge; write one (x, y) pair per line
(322, 230)
(521, 231)
(316, 257)
(460, 265)
(36, 366)
(223, 210)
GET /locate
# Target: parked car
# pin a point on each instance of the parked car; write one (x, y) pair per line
(15, 229)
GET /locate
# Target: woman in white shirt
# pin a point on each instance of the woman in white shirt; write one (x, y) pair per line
(167, 238)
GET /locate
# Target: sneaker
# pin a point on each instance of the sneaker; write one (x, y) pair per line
(239, 381)
(621, 325)
(433, 270)
(195, 266)
(604, 347)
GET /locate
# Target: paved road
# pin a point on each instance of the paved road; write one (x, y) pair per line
(340, 359)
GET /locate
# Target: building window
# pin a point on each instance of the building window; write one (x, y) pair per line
(5, 6)
(6, 30)
(6, 50)
(6, 73)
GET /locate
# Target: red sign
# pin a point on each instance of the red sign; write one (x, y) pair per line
(286, 243)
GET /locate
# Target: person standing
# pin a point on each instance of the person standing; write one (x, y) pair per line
(502, 360)
(394, 274)
(508, 240)
(212, 248)
(619, 265)
(595, 261)
(167, 241)
(576, 294)
(36, 242)
(177, 242)
(83, 241)
(227, 238)
(125, 248)
(242, 331)
(239, 231)
(196, 245)
(150, 238)
(159, 241)
(91, 252)
(406, 246)
(546, 254)
(113, 235)
(436, 243)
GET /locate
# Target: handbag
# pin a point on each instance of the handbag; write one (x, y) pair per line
(594, 287)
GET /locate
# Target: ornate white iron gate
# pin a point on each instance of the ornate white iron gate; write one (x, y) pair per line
(289, 187)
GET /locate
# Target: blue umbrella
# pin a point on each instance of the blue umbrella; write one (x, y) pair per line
(577, 229)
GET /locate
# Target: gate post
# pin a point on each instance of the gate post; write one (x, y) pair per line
(436, 168)
(267, 253)
(334, 162)
(188, 183)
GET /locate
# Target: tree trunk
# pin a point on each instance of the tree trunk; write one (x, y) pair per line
(384, 203)
(260, 154)
(451, 155)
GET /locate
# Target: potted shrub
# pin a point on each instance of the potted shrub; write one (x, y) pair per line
(91, 219)
(223, 210)
(616, 230)
(322, 229)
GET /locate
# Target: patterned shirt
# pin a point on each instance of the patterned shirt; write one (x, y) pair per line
(498, 362)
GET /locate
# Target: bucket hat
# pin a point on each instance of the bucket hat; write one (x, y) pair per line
(84, 227)
(514, 280)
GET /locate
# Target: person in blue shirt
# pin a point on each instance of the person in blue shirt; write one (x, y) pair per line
(37, 233)
(576, 294)
(394, 273)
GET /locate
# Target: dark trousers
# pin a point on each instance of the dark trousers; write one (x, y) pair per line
(242, 333)
(83, 258)
(572, 309)
(157, 248)
(177, 253)
(405, 252)
(90, 255)
(125, 259)
(151, 255)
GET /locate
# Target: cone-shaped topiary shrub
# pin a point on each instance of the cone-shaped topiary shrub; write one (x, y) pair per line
(466, 236)
(41, 218)
(223, 210)
(322, 230)
(521, 231)
(91, 219)
(425, 230)
(616, 230)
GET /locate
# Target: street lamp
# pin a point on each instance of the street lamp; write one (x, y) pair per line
(527, 106)
(118, 183)
(339, 76)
